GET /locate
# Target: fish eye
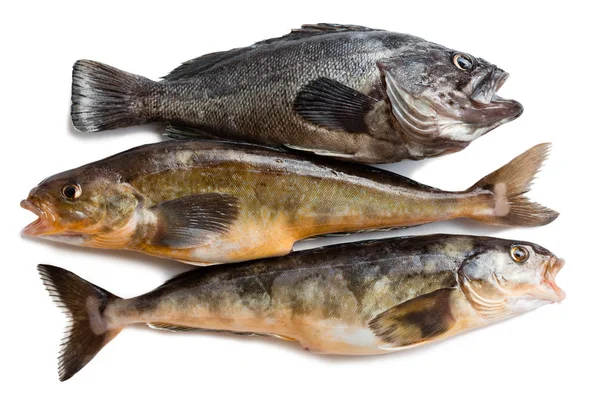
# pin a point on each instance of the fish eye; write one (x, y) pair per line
(462, 62)
(519, 254)
(71, 191)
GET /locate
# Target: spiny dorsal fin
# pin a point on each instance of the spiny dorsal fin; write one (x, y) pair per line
(324, 27)
(198, 65)
(193, 67)
(332, 105)
(309, 30)
(416, 321)
(191, 220)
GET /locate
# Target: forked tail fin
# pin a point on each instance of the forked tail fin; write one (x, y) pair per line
(84, 303)
(104, 97)
(509, 185)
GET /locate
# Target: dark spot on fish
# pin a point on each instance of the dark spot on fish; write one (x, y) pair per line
(428, 322)
(254, 288)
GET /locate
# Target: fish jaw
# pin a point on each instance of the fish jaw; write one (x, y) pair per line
(552, 268)
(481, 110)
(543, 293)
(46, 224)
(493, 107)
(434, 127)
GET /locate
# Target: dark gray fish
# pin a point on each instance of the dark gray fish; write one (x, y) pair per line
(358, 298)
(348, 92)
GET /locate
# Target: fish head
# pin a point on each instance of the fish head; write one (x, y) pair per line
(80, 205)
(511, 278)
(443, 99)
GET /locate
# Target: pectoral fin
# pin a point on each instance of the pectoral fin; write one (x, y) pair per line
(192, 220)
(416, 321)
(332, 105)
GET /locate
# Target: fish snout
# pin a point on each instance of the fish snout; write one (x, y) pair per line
(552, 269)
(486, 90)
(44, 224)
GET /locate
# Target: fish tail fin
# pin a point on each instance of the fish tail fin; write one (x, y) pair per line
(84, 303)
(104, 97)
(509, 184)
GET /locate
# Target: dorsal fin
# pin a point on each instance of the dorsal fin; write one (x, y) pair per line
(193, 67)
(331, 28)
(308, 30)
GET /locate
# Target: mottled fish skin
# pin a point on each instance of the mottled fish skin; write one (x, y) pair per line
(348, 92)
(205, 202)
(357, 298)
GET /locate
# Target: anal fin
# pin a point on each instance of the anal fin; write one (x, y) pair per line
(189, 132)
(170, 327)
(416, 321)
(179, 328)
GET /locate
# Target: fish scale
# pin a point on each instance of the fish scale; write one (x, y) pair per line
(210, 202)
(329, 91)
(357, 298)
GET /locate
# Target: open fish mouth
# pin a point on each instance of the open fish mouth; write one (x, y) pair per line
(45, 224)
(549, 279)
(485, 96)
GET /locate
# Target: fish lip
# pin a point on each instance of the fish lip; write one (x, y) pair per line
(44, 224)
(487, 88)
(552, 268)
(485, 96)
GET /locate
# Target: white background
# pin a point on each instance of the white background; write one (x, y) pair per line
(551, 52)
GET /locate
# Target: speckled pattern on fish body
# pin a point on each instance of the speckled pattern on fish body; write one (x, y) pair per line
(348, 92)
(357, 298)
(207, 202)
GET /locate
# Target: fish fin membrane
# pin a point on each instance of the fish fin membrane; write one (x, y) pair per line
(192, 220)
(178, 328)
(332, 105)
(416, 321)
(189, 132)
(310, 30)
(104, 97)
(84, 303)
(324, 27)
(180, 132)
(319, 152)
(510, 184)
(170, 327)
(194, 67)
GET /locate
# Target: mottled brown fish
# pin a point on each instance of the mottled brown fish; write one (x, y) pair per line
(357, 298)
(205, 202)
(348, 92)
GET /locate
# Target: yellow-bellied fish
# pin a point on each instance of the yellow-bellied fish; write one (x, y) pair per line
(206, 202)
(358, 298)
